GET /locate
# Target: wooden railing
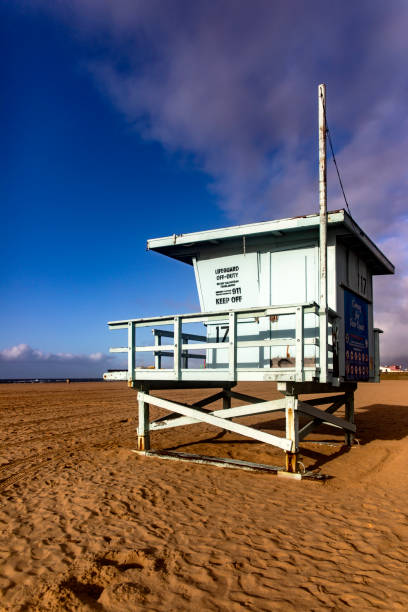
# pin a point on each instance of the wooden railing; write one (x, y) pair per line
(181, 350)
(185, 354)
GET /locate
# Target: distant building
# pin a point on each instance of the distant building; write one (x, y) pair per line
(392, 368)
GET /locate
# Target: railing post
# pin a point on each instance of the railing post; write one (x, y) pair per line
(299, 347)
(157, 356)
(232, 332)
(177, 347)
(185, 353)
(131, 350)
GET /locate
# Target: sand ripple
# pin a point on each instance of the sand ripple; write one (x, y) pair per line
(88, 525)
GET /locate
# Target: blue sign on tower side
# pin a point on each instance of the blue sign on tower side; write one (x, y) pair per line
(356, 337)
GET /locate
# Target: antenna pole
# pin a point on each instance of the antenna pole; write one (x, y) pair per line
(323, 311)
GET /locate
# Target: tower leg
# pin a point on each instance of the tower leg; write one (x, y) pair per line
(143, 433)
(349, 406)
(292, 433)
(226, 400)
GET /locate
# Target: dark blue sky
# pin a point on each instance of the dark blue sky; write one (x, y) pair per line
(123, 121)
(81, 193)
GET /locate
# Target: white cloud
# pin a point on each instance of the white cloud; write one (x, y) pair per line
(235, 85)
(22, 361)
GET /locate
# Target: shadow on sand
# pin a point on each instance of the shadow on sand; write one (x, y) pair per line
(374, 422)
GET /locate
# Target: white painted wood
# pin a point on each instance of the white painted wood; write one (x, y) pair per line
(198, 285)
(225, 413)
(185, 336)
(248, 375)
(377, 333)
(131, 349)
(323, 320)
(299, 344)
(199, 317)
(231, 370)
(292, 422)
(157, 355)
(279, 342)
(153, 347)
(143, 422)
(232, 322)
(229, 281)
(177, 347)
(243, 430)
(251, 229)
(288, 276)
(200, 404)
(121, 375)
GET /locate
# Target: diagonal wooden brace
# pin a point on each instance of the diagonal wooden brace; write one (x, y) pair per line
(228, 413)
(311, 425)
(217, 421)
(198, 405)
(326, 416)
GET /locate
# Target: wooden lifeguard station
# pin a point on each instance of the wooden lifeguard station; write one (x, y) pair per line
(288, 301)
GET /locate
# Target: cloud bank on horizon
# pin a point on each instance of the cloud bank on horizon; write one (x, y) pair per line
(234, 85)
(22, 361)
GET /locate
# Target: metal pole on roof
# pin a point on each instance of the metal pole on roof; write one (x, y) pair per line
(323, 234)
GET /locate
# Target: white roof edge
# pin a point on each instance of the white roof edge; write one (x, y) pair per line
(253, 229)
(243, 230)
(356, 229)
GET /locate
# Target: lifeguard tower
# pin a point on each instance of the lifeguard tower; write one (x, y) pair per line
(287, 301)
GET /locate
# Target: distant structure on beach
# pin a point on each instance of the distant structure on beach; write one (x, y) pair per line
(393, 368)
(287, 301)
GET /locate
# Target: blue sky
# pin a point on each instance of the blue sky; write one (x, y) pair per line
(124, 120)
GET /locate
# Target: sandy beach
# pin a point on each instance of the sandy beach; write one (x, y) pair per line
(88, 525)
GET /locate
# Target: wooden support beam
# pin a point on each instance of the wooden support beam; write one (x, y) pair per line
(309, 387)
(321, 401)
(222, 423)
(348, 436)
(226, 400)
(325, 416)
(311, 425)
(185, 336)
(292, 422)
(208, 400)
(244, 397)
(184, 354)
(217, 461)
(143, 436)
(197, 405)
(225, 413)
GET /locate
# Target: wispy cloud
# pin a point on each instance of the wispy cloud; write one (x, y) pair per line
(235, 86)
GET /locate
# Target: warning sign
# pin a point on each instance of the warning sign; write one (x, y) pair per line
(356, 337)
(229, 282)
